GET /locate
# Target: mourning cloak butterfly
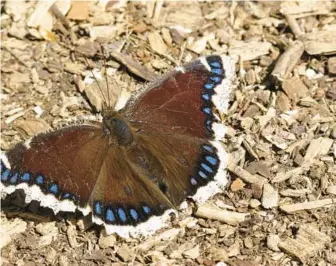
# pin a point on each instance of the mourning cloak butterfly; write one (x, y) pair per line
(141, 163)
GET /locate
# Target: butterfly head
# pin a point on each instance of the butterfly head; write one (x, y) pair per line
(116, 127)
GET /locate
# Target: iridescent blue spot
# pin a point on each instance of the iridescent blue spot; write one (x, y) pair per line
(39, 180)
(14, 178)
(193, 181)
(206, 97)
(216, 78)
(110, 215)
(134, 214)
(208, 148)
(215, 64)
(207, 110)
(122, 215)
(53, 188)
(97, 208)
(146, 209)
(66, 195)
(217, 71)
(206, 167)
(25, 177)
(209, 86)
(202, 174)
(211, 160)
(5, 174)
(208, 122)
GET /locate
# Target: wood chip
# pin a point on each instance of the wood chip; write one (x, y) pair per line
(308, 242)
(192, 253)
(243, 174)
(71, 233)
(332, 65)
(237, 185)
(291, 208)
(10, 228)
(124, 253)
(317, 147)
(322, 42)
(249, 50)
(46, 228)
(331, 189)
(272, 242)
(210, 212)
(133, 66)
(295, 88)
(270, 197)
(156, 42)
(168, 235)
(105, 240)
(79, 10)
(283, 176)
(294, 193)
(288, 60)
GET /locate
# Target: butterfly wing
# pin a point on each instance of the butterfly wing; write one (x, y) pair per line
(58, 169)
(131, 188)
(140, 184)
(186, 100)
(173, 152)
(179, 116)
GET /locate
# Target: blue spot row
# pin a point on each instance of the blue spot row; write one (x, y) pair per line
(113, 215)
(216, 77)
(15, 178)
(207, 167)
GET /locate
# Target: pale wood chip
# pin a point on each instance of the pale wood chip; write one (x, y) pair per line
(283, 176)
(133, 66)
(71, 235)
(270, 197)
(308, 242)
(295, 88)
(243, 174)
(288, 60)
(210, 212)
(322, 42)
(332, 65)
(168, 235)
(295, 192)
(249, 50)
(331, 189)
(105, 240)
(291, 208)
(9, 228)
(305, 8)
(156, 42)
(317, 147)
(125, 253)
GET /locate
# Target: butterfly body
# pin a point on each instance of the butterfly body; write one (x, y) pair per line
(141, 162)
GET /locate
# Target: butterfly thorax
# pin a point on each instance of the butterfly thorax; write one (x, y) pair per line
(117, 129)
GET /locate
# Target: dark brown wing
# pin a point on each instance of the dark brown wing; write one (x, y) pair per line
(64, 163)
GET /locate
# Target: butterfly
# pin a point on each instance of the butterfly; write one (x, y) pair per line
(138, 165)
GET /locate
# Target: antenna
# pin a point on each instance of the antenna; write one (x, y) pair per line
(106, 80)
(100, 89)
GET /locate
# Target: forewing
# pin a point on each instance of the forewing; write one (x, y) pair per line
(186, 100)
(56, 167)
